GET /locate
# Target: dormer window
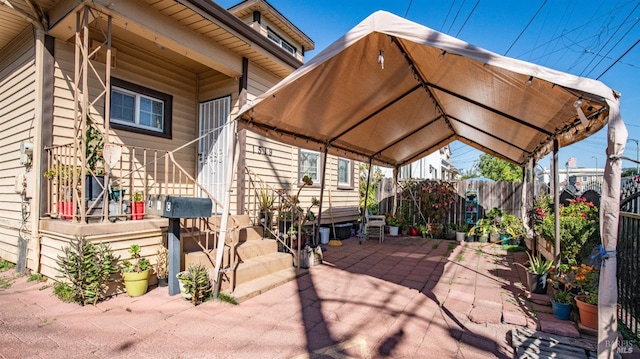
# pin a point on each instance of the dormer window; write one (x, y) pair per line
(281, 42)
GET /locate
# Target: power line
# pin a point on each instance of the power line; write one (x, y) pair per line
(455, 17)
(448, 13)
(611, 38)
(467, 19)
(619, 58)
(525, 28)
(408, 7)
(613, 47)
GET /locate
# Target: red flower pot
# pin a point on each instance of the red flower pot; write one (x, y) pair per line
(413, 231)
(137, 210)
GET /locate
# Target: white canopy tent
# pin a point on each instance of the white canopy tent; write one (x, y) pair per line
(391, 91)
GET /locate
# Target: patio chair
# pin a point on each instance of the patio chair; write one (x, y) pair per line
(374, 226)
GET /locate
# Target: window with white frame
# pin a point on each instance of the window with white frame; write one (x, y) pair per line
(345, 173)
(309, 165)
(281, 42)
(140, 109)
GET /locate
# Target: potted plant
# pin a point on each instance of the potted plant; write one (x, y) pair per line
(511, 229)
(266, 208)
(62, 177)
(450, 231)
(135, 272)
(461, 231)
(482, 229)
(424, 230)
(394, 224)
(561, 305)
(538, 273)
(194, 283)
(162, 266)
(137, 206)
(94, 148)
(585, 279)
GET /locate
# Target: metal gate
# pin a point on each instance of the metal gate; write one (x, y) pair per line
(214, 133)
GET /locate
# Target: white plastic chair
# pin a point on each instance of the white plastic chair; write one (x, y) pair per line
(374, 226)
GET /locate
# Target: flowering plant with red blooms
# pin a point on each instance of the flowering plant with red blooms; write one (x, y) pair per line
(578, 227)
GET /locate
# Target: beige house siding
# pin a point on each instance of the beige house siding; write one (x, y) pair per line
(141, 69)
(17, 110)
(276, 164)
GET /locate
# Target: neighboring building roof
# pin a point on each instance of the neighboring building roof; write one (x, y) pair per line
(247, 7)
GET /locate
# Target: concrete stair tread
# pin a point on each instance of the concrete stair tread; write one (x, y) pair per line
(260, 285)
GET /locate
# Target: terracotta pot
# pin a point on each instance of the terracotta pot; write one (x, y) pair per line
(588, 313)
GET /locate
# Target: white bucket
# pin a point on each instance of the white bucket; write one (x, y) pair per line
(324, 235)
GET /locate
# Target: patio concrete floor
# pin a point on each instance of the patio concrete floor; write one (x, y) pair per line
(404, 298)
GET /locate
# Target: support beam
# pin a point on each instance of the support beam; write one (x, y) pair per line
(316, 238)
(556, 203)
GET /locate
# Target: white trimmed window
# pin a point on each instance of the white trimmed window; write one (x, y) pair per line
(309, 165)
(345, 173)
(281, 42)
(140, 109)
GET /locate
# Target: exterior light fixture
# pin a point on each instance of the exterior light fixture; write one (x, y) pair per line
(529, 82)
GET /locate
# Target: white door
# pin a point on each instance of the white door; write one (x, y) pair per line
(214, 135)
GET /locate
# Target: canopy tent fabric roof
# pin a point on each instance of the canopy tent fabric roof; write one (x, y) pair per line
(394, 91)
(391, 91)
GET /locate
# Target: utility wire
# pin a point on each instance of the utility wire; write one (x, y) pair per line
(618, 59)
(525, 28)
(469, 16)
(611, 49)
(611, 38)
(455, 17)
(447, 17)
(408, 7)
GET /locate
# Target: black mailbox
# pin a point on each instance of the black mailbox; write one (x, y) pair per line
(186, 207)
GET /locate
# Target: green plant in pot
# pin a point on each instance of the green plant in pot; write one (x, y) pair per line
(194, 283)
(538, 273)
(135, 272)
(162, 266)
(266, 208)
(483, 228)
(561, 305)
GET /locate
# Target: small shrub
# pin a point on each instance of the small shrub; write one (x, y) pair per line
(227, 298)
(87, 268)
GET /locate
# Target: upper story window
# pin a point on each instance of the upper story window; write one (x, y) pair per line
(139, 109)
(309, 165)
(345, 173)
(281, 42)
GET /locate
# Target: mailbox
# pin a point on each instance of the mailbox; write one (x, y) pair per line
(179, 207)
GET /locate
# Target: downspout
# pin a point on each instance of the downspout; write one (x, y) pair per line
(322, 183)
(556, 203)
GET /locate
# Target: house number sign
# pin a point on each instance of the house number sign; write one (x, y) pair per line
(261, 150)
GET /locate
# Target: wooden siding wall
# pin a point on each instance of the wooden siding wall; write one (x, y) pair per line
(17, 105)
(143, 69)
(52, 244)
(279, 168)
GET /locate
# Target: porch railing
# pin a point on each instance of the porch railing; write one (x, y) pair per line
(628, 259)
(275, 211)
(139, 173)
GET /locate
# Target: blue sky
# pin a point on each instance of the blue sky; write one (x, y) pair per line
(583, 38)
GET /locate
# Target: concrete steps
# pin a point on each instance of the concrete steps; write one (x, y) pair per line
(260, 266)
(260, 285)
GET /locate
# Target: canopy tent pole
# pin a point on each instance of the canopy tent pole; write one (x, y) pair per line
(322, 183)
(235, 150)
(366, 196)
(395, 190)
(609, 217)
(556, 203)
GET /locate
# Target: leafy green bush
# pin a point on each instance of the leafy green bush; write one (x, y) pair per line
(5, 265)
(196, 283)
(64, 292)
(86, 269)
(578, 228)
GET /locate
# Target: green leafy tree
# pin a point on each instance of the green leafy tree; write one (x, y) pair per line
(628, 172)
(376, 176)
(470, 173)
(497, 169)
